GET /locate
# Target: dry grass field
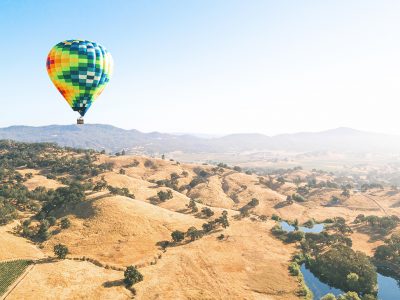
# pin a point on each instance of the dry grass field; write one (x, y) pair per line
(247, 262)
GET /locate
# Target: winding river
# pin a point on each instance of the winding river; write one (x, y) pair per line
(388, 287)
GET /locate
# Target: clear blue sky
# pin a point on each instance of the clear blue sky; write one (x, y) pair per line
(212, 66)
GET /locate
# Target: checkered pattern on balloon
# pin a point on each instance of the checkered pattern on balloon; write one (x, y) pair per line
(80, 70)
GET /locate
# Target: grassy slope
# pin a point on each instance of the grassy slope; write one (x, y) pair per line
(248, 264)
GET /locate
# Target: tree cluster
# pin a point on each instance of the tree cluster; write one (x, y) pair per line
(382, 225)
(390, 251)
(164, 195)
(342, 267)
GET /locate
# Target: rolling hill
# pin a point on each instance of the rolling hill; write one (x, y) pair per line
(126, 223)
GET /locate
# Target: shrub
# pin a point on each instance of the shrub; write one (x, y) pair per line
(100, 185)
(277, 230)
(223, 219)
(345, 192)
(328, 221)
(275, 217)
(329, 296)
(349, 296)
(61, 251)
(163, 196)
(298, 198)
(132, 276)
(294, 269)
(120, 191)
(196, 181)
(250, 205)
(43, 232)
(7, 212)
(352, 281)
(27, 222)
(65, 223)
(192, 205)
(281, 180)
(207, 227)
(309, 224)
(294, 236)
(163, 244)
(390, 251)
(207, 212)
(52, 221)
(234, 197)
(193, 233)
(177, 236)
(150, 164)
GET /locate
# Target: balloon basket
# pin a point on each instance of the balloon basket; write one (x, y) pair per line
(80, 121)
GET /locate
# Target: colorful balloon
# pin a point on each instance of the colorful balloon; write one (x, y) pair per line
(80, 70)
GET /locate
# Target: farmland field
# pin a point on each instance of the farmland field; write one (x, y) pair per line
(10, 271)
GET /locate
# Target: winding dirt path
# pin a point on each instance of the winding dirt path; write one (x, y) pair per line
(376, 202)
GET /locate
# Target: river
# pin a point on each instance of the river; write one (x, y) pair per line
(388, 287)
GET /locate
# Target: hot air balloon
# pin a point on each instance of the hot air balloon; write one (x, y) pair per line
(80, 70)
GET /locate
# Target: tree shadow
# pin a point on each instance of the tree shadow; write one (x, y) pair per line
(113, 283)
(171, 244)
(374, 235)
(395, 205)
(200, 215)
(56, 231)
(101, 196)
(281, 204)
(81, 210)
(154, 186)
(155, 200)
(215, 231)
(163, 244)
(46, 260)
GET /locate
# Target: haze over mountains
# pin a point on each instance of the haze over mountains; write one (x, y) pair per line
(110, 138)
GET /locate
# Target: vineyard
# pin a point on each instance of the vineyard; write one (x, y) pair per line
(10, 271)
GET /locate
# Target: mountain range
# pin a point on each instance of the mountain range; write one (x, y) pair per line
(112, 139)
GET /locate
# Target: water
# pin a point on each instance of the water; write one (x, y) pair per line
(317, 228)
(318, 288)
(388, 287)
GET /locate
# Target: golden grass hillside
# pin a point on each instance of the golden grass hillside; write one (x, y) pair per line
(242, 261)
(119, 231)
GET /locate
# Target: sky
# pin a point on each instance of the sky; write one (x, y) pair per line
(211, 66)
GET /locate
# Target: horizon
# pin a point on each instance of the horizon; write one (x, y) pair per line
(209, 135)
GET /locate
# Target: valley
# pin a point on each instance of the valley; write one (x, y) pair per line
(122, 210)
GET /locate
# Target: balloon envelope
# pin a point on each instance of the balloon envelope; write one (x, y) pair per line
(80, 70)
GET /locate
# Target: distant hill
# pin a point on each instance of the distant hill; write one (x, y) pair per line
(97, 136)
(110, 138)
